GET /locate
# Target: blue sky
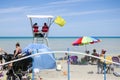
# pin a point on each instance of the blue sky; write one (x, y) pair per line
(83, 17)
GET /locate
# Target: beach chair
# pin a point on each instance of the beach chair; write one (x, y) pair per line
(74, 59)
(117, 74)
(117, 60)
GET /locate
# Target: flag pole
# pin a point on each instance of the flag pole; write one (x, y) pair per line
(33, 65)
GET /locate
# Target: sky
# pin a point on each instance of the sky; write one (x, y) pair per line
(83, 17)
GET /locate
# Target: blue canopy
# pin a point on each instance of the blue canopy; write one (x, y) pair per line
(42, 61)
(34, 46)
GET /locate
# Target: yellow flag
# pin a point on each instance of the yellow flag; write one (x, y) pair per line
(60, 21)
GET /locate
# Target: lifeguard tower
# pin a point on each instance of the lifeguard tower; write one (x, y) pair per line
(49, 21)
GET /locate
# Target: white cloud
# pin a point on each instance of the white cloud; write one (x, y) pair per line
(13, 9)
(67, 2)
(89, 12)
(46, 9)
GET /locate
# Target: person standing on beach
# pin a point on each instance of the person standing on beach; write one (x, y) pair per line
(93, 59)
(99, 64)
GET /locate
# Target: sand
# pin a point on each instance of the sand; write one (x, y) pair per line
(77, 72)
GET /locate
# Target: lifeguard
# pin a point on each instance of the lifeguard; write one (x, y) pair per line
(45, 29)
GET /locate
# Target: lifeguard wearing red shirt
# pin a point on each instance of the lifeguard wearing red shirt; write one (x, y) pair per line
(45, 28)
(35, 28)
(36, 31)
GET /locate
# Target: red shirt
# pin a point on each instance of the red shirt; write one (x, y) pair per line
(35, 28)
(45, 29)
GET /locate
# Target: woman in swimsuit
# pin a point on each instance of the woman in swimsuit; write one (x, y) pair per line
(18, 50)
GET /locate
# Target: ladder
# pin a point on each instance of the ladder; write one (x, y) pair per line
(40, 40)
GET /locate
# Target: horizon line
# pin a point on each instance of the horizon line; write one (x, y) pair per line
(59, 36)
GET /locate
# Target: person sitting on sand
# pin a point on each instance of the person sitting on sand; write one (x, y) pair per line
(66, 56)
(2, 52)
(4, 55)
(18, 50)
(86, 58)
(1, 55)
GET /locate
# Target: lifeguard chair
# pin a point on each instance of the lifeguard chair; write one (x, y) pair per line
(42, 37)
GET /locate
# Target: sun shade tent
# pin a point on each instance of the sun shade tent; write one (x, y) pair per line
(42, 61)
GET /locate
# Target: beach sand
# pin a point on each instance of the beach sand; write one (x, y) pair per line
(77, 72)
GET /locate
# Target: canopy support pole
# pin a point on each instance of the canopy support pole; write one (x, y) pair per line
(104, 68)
(68, 64)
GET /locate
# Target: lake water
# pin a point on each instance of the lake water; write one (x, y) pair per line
(111, 45)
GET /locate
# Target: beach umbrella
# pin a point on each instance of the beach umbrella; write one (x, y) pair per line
(85, 40)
